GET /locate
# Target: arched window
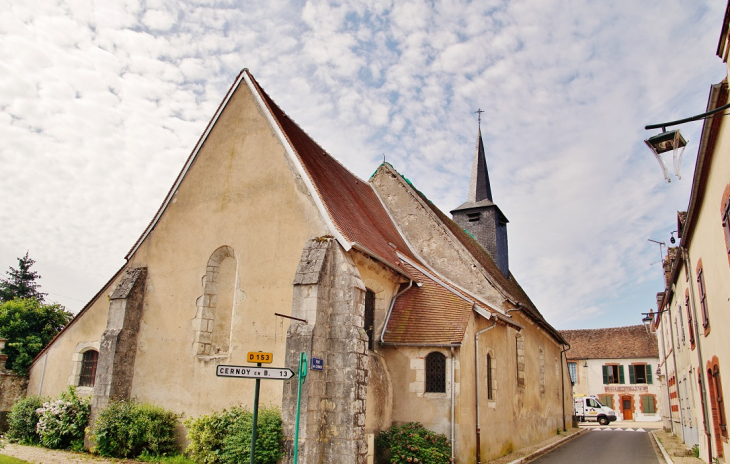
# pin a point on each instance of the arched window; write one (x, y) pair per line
(369, 320)
(88, 368)
(490, 384)
(435, 373)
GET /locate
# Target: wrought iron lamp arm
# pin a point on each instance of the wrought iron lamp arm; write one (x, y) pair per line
(664, 125)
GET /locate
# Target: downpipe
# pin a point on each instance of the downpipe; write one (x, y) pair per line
(563, 357)
(453, 445)
(476, 384)
(390, 310)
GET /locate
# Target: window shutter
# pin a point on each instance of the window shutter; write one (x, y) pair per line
(621, 374)
(648, 374)
(605, 374)
(632, 377)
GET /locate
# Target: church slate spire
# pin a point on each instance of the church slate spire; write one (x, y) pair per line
(479, 187)
(480, 216)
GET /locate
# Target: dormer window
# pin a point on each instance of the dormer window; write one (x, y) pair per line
(473, 217)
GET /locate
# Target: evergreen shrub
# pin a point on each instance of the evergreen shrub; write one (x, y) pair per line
(130, 429)
(224, 437)
(413, 443)
(62, 422)
(23, 420)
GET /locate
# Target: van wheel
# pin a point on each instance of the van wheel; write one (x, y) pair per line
(603, 420)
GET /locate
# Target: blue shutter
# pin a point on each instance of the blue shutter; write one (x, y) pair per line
(632, 377)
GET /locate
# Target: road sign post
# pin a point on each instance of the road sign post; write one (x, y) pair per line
(258, 373)
(302, 376)
(255, 416)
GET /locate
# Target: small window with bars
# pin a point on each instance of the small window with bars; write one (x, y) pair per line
(435, 373)
(88, 368)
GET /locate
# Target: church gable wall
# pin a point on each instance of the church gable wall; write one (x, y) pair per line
(240, 195)
(433, 242)
(221, 259)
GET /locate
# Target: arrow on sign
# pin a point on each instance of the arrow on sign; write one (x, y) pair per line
(247, 372)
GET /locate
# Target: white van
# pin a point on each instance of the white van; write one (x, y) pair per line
(589, 409)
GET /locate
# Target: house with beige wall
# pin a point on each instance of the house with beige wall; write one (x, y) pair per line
(265, 242)
(619, 365)
(693, 314)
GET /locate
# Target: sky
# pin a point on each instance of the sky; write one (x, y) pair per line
(101, 102)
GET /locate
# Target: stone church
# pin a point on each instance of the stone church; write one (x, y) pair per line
(265, 242)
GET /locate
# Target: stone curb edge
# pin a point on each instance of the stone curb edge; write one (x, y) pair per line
(664, 452)
(547, 448)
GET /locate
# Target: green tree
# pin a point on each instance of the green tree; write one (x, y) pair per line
(29, 326)
(21, 282)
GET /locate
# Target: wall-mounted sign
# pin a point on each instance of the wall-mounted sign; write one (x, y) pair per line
(317, 364)
(637, 388)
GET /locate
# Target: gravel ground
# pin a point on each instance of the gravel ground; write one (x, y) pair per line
(38, 455)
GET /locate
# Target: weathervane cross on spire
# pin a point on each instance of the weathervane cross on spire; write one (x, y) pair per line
(479, 112)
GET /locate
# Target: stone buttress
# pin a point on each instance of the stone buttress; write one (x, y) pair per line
(329, 294)
(118, 348)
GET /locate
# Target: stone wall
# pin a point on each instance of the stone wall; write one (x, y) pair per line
(329, 295)
(12, 388)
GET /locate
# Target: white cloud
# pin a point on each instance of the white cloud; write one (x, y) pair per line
(100, 103)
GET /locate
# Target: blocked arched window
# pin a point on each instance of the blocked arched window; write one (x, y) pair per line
(435, 373)
(541, 359)
(88, 368)
(520, 354)
(212, 322)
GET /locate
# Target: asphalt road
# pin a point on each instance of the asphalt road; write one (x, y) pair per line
(604, 447)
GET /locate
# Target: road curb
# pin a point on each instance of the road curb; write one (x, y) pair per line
(667, 459)
(547, 448)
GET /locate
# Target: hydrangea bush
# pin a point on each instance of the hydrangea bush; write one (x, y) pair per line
(62, 422)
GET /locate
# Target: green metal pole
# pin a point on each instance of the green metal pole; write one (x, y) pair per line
(255, 416)
(302, 376)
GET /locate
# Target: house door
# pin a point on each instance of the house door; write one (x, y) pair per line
(626, 409)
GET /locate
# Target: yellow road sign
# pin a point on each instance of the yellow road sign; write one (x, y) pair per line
(259, 357)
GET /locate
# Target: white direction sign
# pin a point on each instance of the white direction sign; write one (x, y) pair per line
(248, 372)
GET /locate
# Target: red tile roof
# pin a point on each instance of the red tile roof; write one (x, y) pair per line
(351, 203)
(611, 343)
(428, 314)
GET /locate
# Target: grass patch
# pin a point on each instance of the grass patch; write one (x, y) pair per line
(176, 459)
(4, 459)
